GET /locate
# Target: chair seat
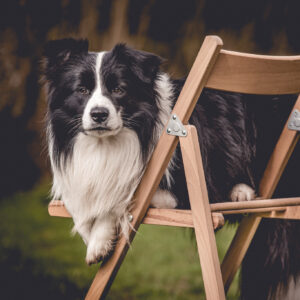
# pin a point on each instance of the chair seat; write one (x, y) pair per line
(285, 208)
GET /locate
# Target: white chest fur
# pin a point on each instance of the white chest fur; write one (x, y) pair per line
(101, 176)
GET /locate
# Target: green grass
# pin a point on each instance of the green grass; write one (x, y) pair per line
(39, 259)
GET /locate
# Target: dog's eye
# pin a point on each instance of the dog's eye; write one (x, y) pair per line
(117, 90)
(83, 90)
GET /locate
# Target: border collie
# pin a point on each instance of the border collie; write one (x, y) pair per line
(106, 112)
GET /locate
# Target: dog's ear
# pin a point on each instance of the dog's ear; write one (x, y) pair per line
(57, 52)
(144, 64)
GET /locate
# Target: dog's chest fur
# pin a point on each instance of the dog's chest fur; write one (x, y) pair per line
(102, 173)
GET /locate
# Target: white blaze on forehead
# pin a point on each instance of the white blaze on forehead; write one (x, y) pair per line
(97, 99)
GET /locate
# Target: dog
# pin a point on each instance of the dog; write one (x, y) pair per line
(105, 114)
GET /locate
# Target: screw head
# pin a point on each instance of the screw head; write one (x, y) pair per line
(130, 217)
(297, 122)
(169, 130)
(174, 117)
(176, 128)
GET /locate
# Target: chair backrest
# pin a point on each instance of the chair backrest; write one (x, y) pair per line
(255, 74)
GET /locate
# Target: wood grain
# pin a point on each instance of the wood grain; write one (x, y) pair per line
(178, 217)
(256, 74)
(205, 237)
(290, 213)
(169, 217)
(267, 203)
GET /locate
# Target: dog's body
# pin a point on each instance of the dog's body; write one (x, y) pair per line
(106, 112)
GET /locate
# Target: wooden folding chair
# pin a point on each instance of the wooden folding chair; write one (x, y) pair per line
(229, 71)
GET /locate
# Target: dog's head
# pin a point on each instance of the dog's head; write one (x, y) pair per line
(99, 93)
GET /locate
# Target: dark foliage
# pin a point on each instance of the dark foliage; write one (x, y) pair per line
(22, 278)
(26, 25)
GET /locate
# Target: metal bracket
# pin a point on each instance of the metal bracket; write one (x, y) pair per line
(294, 121)
(175, 127)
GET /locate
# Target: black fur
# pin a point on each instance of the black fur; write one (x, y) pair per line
(68, 67)
(274, 254)
(135, 72)
(64, 60)
(237, 134)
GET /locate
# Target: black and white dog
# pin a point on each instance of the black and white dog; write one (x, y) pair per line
(106, 112)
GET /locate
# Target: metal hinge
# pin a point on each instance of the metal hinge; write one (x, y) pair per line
(175, 127)
(294, 121)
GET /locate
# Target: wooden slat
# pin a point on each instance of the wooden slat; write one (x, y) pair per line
(205, 237)
(248, 211)
(290, 213)
(256, 74)
(197, 78)
(183, 218)
(169, 217)
(56, 208)
(177, 217)
(244, 235)
(221, 207)
(185, 105)
(154, 216)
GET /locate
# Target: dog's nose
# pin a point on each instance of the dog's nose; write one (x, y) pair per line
(99, 114)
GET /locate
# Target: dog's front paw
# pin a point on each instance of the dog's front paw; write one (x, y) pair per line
(97, 251)
(242, 192)
(163, 199)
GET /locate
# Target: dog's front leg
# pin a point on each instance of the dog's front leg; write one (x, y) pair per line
(242, 192)
(102, 237)
(163, 199)
(83, 229)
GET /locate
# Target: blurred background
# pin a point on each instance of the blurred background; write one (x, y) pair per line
(38, 257)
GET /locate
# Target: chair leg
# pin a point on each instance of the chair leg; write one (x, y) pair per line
(276, 165)
(238, 248)
(201, 213)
